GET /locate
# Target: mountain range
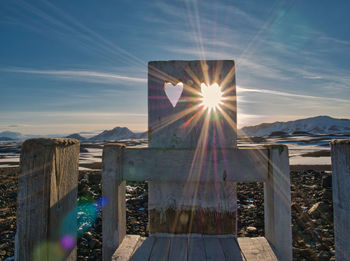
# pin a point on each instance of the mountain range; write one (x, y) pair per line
(312, 126)
(118, 133)
(10, 135)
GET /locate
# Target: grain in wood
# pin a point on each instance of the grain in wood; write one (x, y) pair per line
(113, 191)
(340, 151)
(47, 194)
(143, 252)
(160, 249)
(277, 203)
(196, 249)
(178, 248)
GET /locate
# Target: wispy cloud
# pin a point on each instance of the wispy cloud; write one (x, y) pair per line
(80, 75)
(288, 94)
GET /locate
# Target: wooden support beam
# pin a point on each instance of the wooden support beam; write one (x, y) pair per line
(341, 197)
(47, 193)
(126, 248)
(277, 206)
(256, 248)
(178, 165)
(113, 192)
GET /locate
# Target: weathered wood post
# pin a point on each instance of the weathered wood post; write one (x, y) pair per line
(182, 122)
(47, 192)
(277, 203)
(341, 197)
(113, 192)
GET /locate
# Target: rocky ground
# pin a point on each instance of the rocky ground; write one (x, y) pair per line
(311, 213)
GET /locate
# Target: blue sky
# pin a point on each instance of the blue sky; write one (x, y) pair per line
(70, 66)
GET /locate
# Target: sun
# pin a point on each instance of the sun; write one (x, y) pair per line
(211, 96)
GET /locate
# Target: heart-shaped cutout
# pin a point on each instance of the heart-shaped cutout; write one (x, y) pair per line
(173, 92)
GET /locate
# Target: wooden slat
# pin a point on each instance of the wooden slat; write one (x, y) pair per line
(178, 249)
(241, 165)
(143, 252)
(277, 203)
(139, 244)
(196, 249)
(231, 249)
(341, 197)
(113, 191)
(213, 249)
(126, 248)
(160, 250)
(256, 249)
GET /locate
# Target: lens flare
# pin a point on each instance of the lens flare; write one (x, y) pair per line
(81, 219)
(48, 251)
(67, 242)
(211, 96)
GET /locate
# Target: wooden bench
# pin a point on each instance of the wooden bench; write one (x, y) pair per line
(192, 166)
(266, 164)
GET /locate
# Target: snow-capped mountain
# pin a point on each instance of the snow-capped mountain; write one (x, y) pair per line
(118, 133)
(12, 135)
(76, 136)
(314, 125)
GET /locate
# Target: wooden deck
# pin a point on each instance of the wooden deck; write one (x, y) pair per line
(195, 247)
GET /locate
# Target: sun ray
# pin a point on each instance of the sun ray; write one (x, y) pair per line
(229, 120)
(229, 75)
(173, 118)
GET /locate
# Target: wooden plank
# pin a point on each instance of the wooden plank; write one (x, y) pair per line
(179, 126)
(143, 252)
(160, 250)
(47, 193)
(256, 249)
(113, 191)
(178, 248)
(277, 205)
(139, 244)
(241, 165)
(213, 249)
(215, 212)
(187, 124)
(231, 249)
(196, 250)
(126, 248)
(341, 197)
